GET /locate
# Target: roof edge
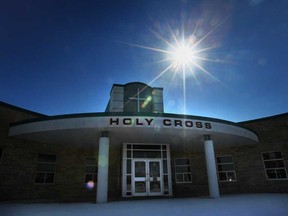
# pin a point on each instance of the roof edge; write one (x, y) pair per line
(21, 109)
(265, 118)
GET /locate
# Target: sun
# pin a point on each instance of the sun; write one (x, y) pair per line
(182, 55)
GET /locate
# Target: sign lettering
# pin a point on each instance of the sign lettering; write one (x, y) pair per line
(177, 123)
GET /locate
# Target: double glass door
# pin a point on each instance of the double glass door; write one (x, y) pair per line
(147, 177)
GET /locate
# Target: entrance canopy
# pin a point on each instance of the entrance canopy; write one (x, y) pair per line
(85, 129)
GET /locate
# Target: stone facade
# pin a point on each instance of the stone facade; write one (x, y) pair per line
(18, 164)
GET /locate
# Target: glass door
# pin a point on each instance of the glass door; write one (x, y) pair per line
(147, 177)
(155, 178)
(140, 178)
(142, 163)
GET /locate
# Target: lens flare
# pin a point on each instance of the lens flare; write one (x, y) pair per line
(146, 102)
(90, 185)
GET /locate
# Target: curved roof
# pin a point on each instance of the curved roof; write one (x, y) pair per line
(179, 130)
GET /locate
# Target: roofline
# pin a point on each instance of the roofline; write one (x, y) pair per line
(21, 109)
(141, 83)
(99, 114)
(265, 118)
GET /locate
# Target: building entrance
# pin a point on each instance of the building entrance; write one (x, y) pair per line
(146, 170)
(147, 177)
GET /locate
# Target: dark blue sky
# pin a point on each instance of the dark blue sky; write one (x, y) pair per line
(59, 57)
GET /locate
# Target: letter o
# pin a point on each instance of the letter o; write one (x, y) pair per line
(188, 123)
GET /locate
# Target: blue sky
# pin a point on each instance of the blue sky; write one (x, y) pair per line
(62, 57)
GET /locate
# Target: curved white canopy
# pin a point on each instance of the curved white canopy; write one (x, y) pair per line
(180, 130)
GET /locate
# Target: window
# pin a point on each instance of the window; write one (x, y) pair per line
(274, 165)
(91, 170)
(226, 169)
(46, 166)
(182, 170)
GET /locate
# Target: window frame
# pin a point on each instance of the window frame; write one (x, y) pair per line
(183, 173)
(45, 172)
(227, 171)
(265, 169)
(94, 175)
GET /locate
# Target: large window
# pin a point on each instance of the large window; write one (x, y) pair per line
(46, 167)
(91, 170)
(226, 169)
(274, 165)
(183, 170)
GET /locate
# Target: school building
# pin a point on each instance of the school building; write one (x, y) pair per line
(134, 149)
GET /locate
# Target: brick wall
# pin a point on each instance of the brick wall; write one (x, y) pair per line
(249, 167)
(19, 161)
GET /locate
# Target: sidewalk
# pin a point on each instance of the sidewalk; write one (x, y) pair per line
(234, 205)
